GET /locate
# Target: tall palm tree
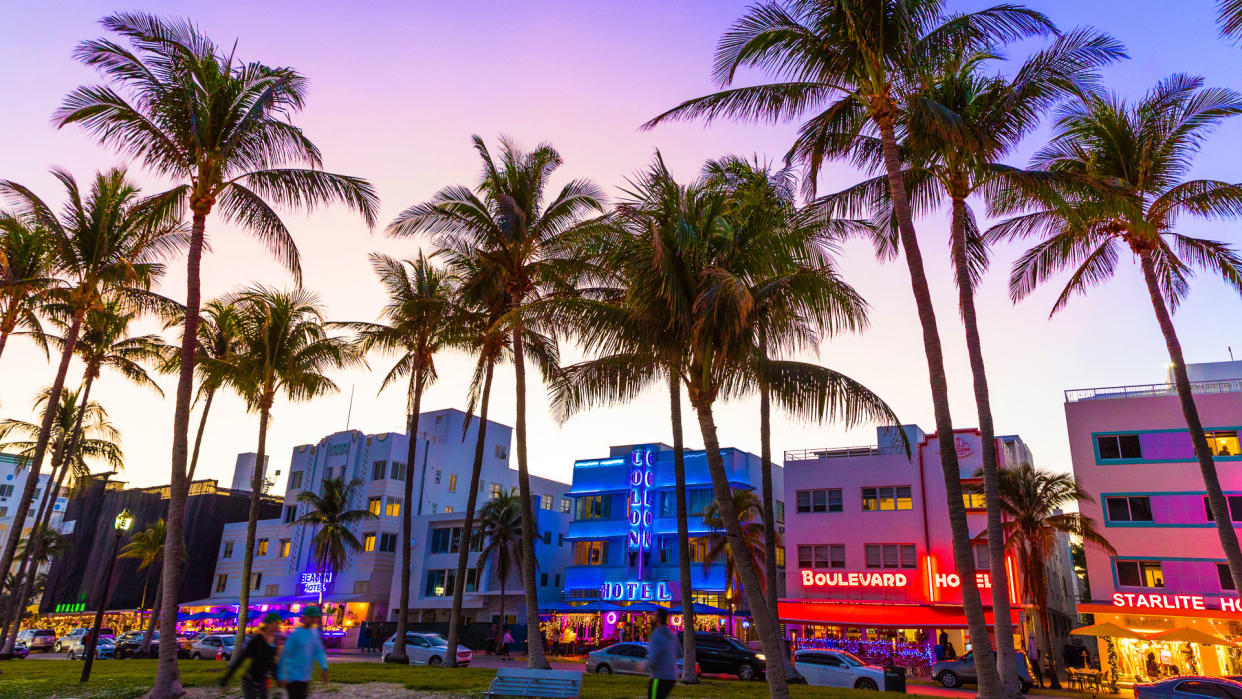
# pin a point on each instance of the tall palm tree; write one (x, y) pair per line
(107, 243)
(754, 533)
(500, 531)
(525, 249)
(284, 349)
(1034, 502)
(221, 127)
(1229, 17)
(328, 511)
(1118, 180)
(25, 273)
(419, 321)
(147, 546)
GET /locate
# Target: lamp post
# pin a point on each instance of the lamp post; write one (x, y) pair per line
(120, 525)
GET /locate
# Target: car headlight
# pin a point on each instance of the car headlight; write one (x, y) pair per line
(761, 656)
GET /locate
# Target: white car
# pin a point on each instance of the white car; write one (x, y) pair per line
(837, 668)
(427, 649)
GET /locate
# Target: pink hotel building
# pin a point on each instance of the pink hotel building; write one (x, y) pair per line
(1131, 451)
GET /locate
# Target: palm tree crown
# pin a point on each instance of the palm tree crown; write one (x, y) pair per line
(329, 512)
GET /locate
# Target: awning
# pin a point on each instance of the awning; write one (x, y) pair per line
(902, 616)
(1104, 608)
(1186, 634)
(1107, 630)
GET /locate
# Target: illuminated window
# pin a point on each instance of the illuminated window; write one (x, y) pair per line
(375, 505)
(221, 581)
(1119, 446)
(256, 581)
(1235, 508)
(1140, 574)
(261, 548)
(368, 541)
(448, 509)
(545, 502)
(493, 491)
(1224, 443)
(393, 508)
(887, 498)
(974, 501)
(1129, 509)
(452, 488)
(439, 583)
(284, 548)
(590, 553)
(595, 507)
(566, 505)
(362, 587)
(890, 555)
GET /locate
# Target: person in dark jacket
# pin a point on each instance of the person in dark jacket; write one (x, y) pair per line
(260, 649)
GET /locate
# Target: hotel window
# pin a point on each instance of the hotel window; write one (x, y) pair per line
(545, 502)
(271, 590)
(779, 506)
(368, 541)
(6, 491)
(493, 491)
(560, 539)
(974, 501)
(446, 540)
(1129, 509)
(698, 499)
(890, 555)
(1140, 574)
(284, 548)
(393, 508)
(452, 483)
(448, 509)
(821, 556)
(4, 512)
(439, 583)
(780, 556)
(221, 580)
(375, 505)
(472, 580)
(228, 550)
(1119, 446)
(361, 587)
(590, 553)
(887, 498)
(983, 558)
(566, 505)
(1235, 508)
(595, 507)
(256, 581)
(291, 513)
(543, 580)
(819, 500)
(261, 548)
(502, 452)
(1224, 443)
(388, 543)
(379, 469)
(436, 480)
(1225, 577)
(295, 480)
(398, 471)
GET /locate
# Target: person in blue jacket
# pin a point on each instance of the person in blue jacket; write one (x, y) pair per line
(303, 650)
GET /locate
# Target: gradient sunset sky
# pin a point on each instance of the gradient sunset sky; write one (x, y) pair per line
(397, 88)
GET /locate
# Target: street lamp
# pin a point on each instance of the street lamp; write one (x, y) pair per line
(120, 525)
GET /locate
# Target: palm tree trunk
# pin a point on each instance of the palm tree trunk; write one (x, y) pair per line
(1037, 589)
(252, 523)
(467, 528)
(13, 609)
(198, 438)
(1185, 394)
(500, 635)
(4, 340)
(167, 677)
(398, 644)
(36, 463)
(963, 558)
(155, 609)
(146, 584)
(534, 639)
(1003, 624)
(769, 635)
(688, 675)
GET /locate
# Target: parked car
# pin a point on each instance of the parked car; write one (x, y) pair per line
(960, 671)
(1189, 688)
(20, 650)
(129, 645)
(216, 645)
(38, 639)
(104, 650)
(837, 668)
(427, 649)
(625, 659)
(721, 654)
(62, 644)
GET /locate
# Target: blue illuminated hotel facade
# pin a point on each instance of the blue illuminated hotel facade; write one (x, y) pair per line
(623, 525)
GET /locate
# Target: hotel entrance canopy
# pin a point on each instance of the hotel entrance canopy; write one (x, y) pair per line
(904, 616)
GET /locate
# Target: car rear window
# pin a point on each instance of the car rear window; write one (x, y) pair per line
(45, 632)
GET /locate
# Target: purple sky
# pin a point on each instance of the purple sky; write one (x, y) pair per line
(398, 88)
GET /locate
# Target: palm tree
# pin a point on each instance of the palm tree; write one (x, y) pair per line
(500, 531)
(25, 273)
(283, 348)
(524, 249)
(220, 127)
(1118, 181)
(1033, 502)
(1229, 17)
(854, 59)
(106, 244)
(420, 322)
(755, 535)
(329, 512)
(147, 546)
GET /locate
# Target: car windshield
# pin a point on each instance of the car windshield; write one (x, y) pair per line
(735, 643)
(228, 640)
(850, 658)
(435, 639)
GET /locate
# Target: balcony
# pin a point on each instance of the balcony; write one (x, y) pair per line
(1151, 390)
(839, 452)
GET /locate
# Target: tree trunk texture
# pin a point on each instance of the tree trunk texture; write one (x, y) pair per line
(1005, 659)
(769, 634)
(534, 639)
(963, 557)
(398, 644)
(252, 523)
(198, 437)
(467, 529)
(167, 677)
(688, 675)
(146, 637)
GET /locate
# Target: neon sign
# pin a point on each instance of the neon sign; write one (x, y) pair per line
(1153, 600)
(313, 582)
(810, 577)
(636, 591)
(962, 448)
(640, 515)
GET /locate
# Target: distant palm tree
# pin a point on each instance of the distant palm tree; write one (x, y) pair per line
(500, 531)
(283, 349)
(147, 546)
(25, 274)
(520, 248)
(1033, 501)
(750, 514)
(1116, 181)
(329, 513)
(222, 128)
(420, 320)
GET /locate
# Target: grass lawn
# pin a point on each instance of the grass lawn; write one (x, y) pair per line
(131, 678)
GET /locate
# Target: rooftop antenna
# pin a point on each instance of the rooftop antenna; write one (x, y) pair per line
(350, 412)
(1230, 353)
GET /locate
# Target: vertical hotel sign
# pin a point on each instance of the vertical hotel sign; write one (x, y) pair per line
(641, 515)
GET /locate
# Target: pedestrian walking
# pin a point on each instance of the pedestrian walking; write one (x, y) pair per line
(506, 640)
(493, 638)
(364, 637)
(260, 650)
(662, 653)
(303, 650)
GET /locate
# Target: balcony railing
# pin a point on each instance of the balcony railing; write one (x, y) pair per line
(838, 452)
(1151, 390)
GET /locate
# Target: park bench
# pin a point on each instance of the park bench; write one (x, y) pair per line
(522, 682)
